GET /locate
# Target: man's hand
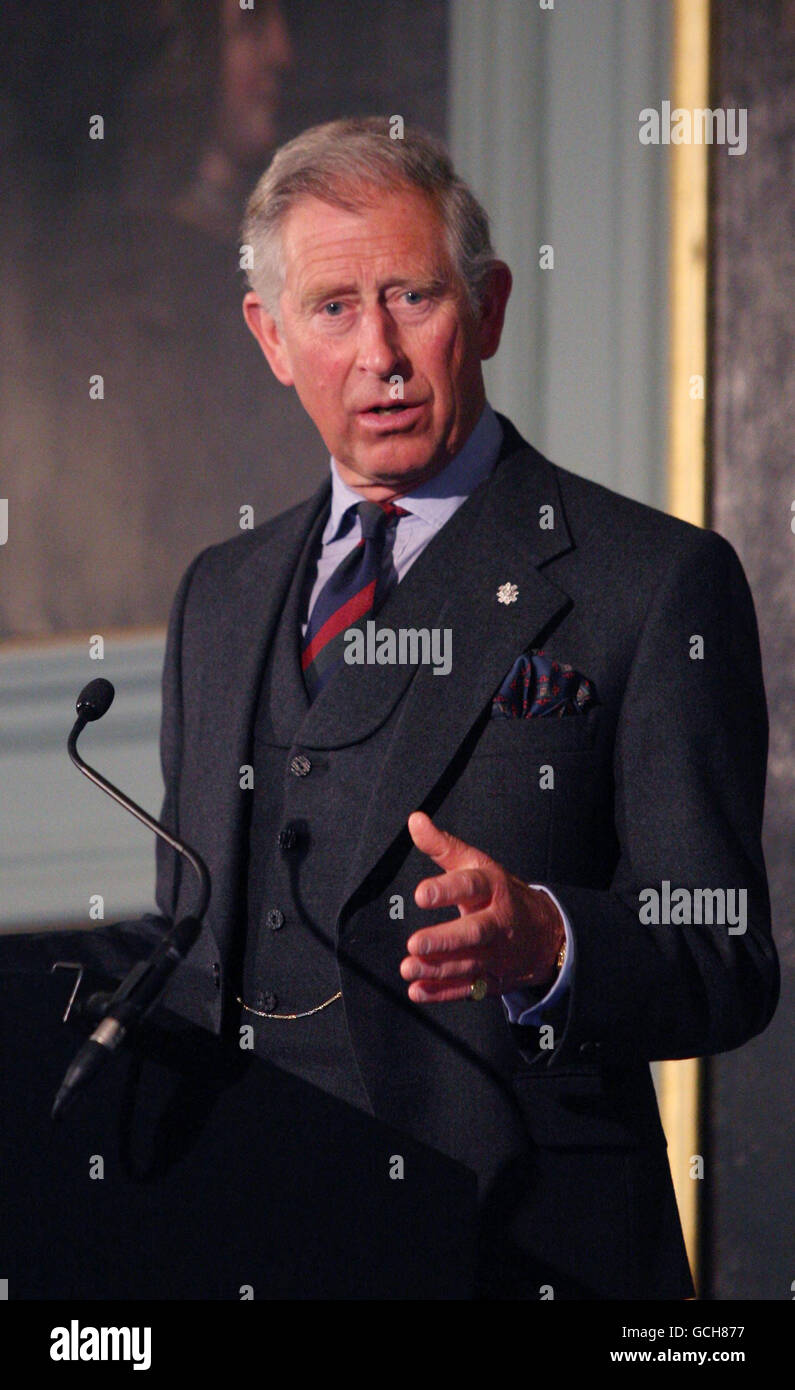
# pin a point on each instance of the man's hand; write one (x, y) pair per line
(507, 933)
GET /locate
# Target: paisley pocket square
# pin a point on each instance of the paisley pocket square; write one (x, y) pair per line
(535, 685)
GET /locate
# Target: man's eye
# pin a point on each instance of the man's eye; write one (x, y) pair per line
(414, 296)
(333, 309)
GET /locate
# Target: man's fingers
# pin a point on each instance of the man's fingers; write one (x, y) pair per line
(454, 965)
(469, 933)
(444, 961)
(431, 992)
(470, 886)
(446, 849)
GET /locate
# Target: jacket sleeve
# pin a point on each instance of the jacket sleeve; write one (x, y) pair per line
(169, 862)
(689, 767)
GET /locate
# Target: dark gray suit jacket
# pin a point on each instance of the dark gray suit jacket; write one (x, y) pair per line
(663, 779)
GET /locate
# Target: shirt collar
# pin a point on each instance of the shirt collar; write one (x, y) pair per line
(435, 500)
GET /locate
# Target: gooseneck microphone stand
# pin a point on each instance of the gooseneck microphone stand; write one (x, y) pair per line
(140, 990)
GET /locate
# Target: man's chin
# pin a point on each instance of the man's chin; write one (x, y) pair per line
(393, 467)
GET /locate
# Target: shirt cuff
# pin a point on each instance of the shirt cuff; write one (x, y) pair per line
(521, 1005)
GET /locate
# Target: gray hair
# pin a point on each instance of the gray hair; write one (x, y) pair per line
(342, 162)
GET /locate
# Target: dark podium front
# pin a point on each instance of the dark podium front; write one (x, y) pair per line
(194, 1170)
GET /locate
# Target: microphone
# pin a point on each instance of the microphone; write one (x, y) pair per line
(143, 985)
(94, 700)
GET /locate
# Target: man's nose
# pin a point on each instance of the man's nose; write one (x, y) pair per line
(378, 346)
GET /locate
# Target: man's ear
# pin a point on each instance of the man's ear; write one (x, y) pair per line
(492, 312)
(266, 331)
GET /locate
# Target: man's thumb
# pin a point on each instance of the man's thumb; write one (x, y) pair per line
(445, 849)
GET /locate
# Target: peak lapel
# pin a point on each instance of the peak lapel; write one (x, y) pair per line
(500, 544)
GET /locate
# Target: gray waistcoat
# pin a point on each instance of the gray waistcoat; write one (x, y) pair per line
(296, 888)
(290, 963)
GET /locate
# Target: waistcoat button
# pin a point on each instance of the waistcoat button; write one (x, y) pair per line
(266, 1001)
(300, 765)
(274, 918)
(288, 837)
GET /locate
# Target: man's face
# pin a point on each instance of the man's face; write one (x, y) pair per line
(369, 297)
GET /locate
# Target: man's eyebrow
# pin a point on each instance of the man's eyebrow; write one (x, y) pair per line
(434, 281)
(318, 294)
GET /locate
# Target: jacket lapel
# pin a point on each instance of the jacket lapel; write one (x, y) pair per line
(494, 539)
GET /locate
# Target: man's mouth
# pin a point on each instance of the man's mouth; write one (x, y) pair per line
(400, 416)
(392, 408)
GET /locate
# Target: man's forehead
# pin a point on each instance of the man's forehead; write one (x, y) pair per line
(402, 230)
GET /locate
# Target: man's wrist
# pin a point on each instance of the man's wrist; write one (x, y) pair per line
(534, 1003)
(552, 924)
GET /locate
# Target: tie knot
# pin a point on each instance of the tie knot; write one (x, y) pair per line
(375, 516)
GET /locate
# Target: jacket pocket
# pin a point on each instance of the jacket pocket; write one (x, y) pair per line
(504, 736)
(579, 1109)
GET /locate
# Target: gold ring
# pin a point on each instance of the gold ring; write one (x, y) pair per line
(478, 989)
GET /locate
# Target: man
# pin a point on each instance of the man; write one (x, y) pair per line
(433, 895)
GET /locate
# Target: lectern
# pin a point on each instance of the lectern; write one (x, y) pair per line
(190, 1169)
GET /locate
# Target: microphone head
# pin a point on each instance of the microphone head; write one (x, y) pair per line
(95, 699)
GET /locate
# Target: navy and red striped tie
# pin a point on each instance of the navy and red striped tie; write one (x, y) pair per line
(349, 595)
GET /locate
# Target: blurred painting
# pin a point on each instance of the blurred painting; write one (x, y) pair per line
(137, 416)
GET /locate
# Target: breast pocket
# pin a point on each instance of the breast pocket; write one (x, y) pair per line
(504, 737)
(503, 788)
